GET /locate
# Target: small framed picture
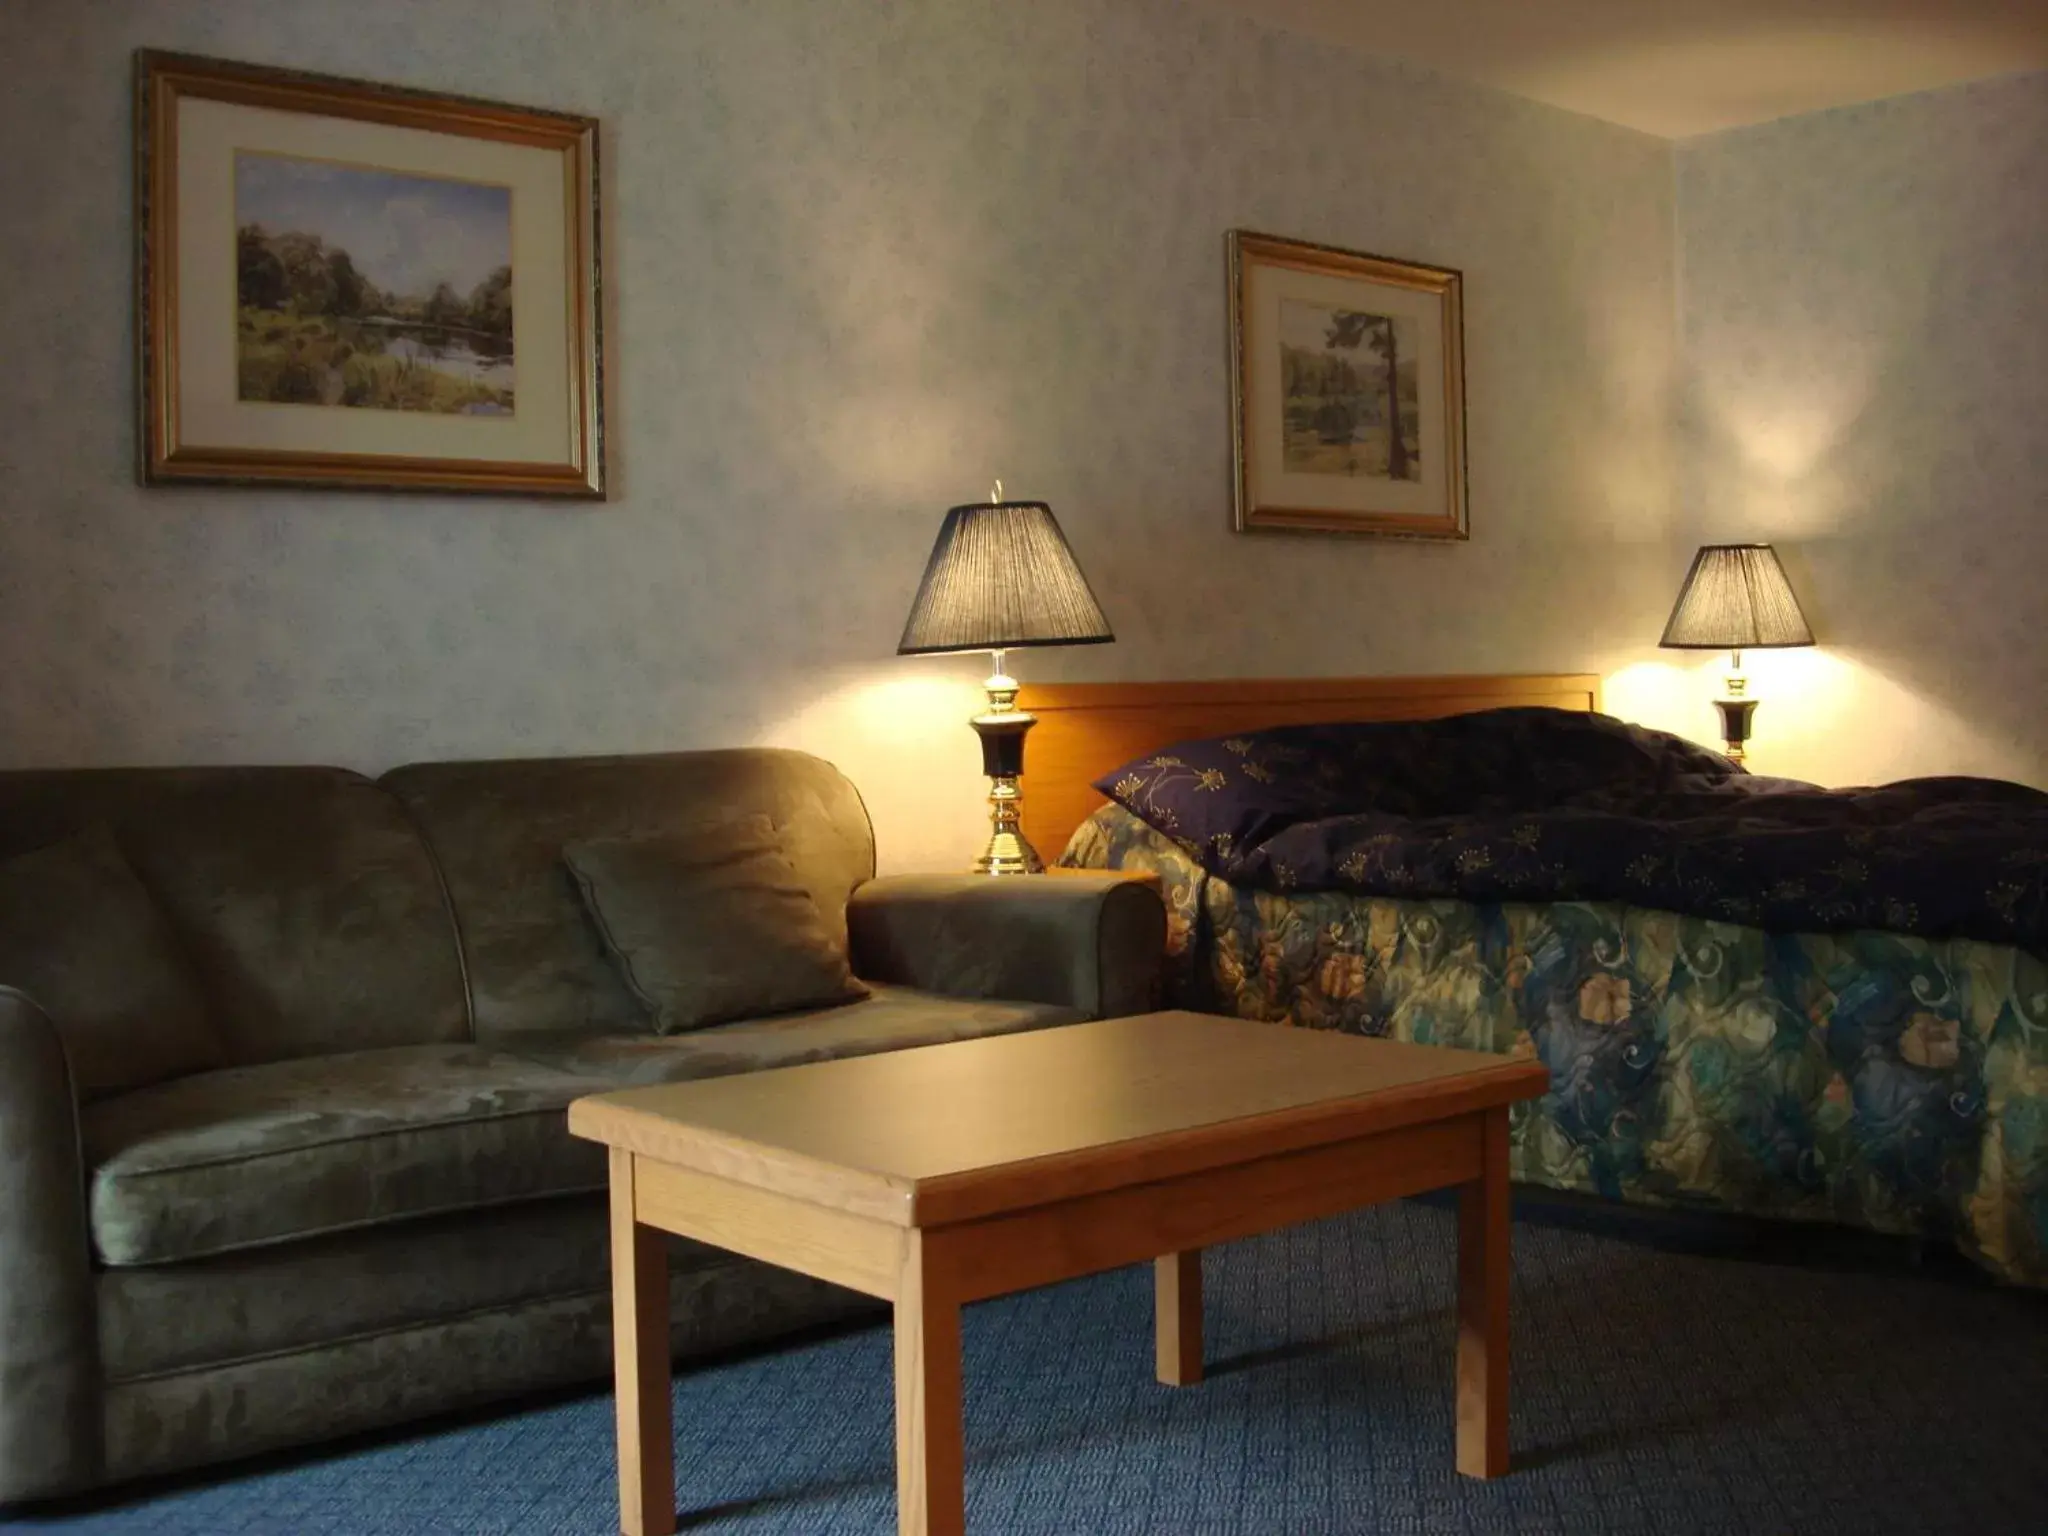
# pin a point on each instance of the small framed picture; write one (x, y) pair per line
(354, 285)
(1347, 391)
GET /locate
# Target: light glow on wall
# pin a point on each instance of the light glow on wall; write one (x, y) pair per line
(1822, 713)
(1802, 702)
(1774, 402)
(899, 731)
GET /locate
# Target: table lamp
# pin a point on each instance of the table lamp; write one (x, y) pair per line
(1736, 599)
(1002, 577)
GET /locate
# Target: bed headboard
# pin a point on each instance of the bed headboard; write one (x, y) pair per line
(1086, 729)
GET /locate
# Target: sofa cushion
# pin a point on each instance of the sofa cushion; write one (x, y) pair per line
(893, 1018)
(344, 1385)
(710, 924)
(304, 898)
(253, 1155)
(291, 1296)
(498, 829)
(80, 935)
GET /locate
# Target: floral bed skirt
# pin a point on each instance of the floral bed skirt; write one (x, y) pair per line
(1874, 1079)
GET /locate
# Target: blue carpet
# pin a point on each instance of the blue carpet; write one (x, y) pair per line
(1653, 1391)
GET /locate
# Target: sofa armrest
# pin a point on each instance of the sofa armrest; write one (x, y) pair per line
(1091, 944)
(50, 1421)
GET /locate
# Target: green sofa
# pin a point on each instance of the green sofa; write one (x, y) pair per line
(372, 1210)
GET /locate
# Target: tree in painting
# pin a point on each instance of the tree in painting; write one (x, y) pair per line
(1347, 328)
(1344, 415)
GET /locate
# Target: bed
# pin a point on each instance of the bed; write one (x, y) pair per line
(1814, 1045)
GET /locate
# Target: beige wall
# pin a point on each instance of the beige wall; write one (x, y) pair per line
(1864, 326)
(862, 258)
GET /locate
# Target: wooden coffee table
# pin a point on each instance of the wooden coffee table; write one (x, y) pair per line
(944, 1175)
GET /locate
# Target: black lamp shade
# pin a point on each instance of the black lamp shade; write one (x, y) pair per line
(1001, 576)
(1736, 598)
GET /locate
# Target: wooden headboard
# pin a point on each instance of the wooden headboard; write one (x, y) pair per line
(1086, 729)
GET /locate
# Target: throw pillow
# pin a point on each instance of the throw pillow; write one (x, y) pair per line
(711, 924)
(80, 934)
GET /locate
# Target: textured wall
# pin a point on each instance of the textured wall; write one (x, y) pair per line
(862, 258)
(1865, 337)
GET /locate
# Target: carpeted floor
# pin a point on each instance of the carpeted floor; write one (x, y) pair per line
(1655, 1390)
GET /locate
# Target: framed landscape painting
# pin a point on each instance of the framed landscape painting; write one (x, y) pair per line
(1347, 391)
(344, 284)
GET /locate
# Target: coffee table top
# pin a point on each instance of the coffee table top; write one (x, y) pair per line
(945, 1133)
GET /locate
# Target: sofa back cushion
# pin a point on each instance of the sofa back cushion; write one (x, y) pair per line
(80, 935)
(305, 902)
(536, 962)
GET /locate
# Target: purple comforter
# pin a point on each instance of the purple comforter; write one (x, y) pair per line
(1547, 805)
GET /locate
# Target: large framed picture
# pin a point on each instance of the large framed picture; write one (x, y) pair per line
(345, 284)
(1347, 391)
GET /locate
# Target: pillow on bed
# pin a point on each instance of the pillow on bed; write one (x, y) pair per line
(1227, 794)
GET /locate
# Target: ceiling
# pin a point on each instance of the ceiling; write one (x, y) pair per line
(1682, 67)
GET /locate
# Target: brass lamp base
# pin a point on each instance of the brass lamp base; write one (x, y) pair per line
(1735, 718)
(1008, 851)
(1737, 710)
(1002, 730)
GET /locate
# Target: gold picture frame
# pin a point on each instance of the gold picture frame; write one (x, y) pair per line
(1347, 392)
(348, 285)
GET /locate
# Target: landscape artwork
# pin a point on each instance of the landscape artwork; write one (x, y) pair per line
(1347, 391)
(374, 289)
(1349, 400)
(349, 285)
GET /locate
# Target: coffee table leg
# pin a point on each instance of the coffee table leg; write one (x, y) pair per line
(1177, 1317)
(647, 1470)
(1483, 1308)
(931, 1488)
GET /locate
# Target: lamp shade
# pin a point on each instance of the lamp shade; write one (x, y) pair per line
(1735, 598)
(1000, 576)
